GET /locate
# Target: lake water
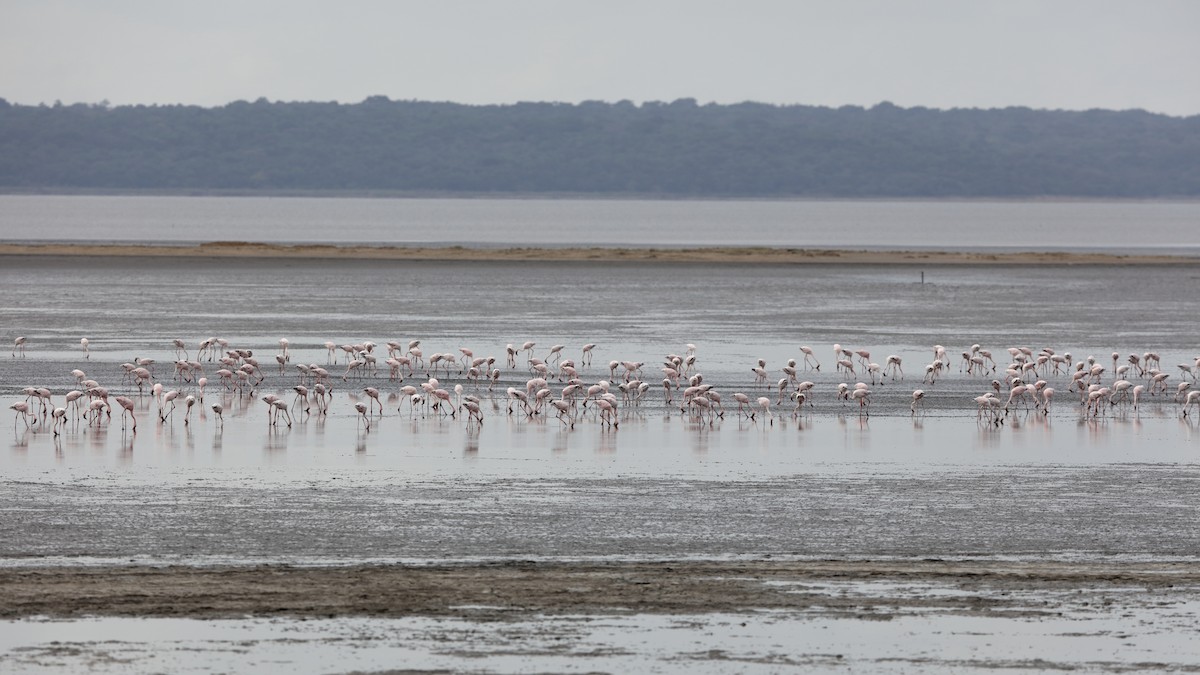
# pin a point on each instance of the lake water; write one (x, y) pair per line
(733, 314)
(828, 482)
(1117, 227)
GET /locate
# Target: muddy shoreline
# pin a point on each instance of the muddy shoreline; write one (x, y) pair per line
(722, 255)
(512, 589)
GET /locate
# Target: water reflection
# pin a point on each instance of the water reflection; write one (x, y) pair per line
(20, 440)
(126, 452)
(471, 442)
(606, 441)
(559, 444)
(700, 441)
(276, 440)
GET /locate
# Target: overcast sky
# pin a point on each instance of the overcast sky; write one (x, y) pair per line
(1073, 54)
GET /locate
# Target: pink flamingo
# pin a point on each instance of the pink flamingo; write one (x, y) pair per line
(1047, 397)
(765, 404)
(1193, 399)
(127, 407)
(917, 396)
(809, 358)
(473, 412)
(281, 406)
(373, 393)
(22, 409)
(893, 367)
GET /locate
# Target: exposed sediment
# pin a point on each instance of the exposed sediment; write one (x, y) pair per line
(504, 589)
(724, 255)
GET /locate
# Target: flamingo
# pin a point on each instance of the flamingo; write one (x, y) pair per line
(270, 399)
(127, 407)
(586, 358)
(940, 356)
(442, 396)
(564, 408)
(990, 404)
(473, 412)
(362, 414)
(73, 400)
(760, 375)
(83, 343)
(863, 395)
(190, 400)
(169, 397)
(19, 347)
(917, 396)
(92, 414)
(1193, 399)
(1047, 397)
(320, 391)
(893, 367)
(373, 393)
(220, 411)
(809, 358)
(22, 409)
(515, 394)
(279, 406)
(608, 411)
(864, 356)
(765, 404)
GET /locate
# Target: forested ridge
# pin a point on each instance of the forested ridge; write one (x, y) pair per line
(657, 149)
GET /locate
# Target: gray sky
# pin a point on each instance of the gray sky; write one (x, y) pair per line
(1073, 54)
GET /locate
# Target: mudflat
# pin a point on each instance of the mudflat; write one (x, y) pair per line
(512, 589)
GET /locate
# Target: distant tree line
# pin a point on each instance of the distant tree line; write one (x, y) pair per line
(668, 149)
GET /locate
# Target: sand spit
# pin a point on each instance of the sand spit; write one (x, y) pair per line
(515, 588)
(723, 255)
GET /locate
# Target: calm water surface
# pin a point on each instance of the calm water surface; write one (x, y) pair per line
(1121, 227)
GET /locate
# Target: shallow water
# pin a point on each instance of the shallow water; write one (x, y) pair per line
(829, 482)
(1110, 632)
(876, 467)
(1161, 227)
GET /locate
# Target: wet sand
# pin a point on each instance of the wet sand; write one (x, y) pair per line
(512, 588)
(722, 255)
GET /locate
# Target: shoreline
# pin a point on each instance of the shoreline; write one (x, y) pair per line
(367, 193)
(512, 589)
(714, 255)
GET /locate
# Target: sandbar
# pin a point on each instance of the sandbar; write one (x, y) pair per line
(714, 255)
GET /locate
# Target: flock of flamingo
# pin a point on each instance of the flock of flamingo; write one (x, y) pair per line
(555, 384)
